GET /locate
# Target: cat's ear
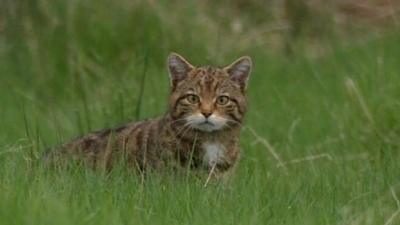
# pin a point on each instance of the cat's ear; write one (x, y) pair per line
(239, 71)
(178, 68)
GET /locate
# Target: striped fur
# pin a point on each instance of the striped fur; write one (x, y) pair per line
(199, 125)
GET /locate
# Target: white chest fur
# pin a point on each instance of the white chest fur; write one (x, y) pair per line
(214, 153)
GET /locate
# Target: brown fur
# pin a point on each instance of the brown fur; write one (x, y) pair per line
(169, 140)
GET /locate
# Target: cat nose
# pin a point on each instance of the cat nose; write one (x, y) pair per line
(206, 114)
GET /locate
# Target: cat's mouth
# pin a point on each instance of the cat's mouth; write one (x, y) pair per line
(207, 126)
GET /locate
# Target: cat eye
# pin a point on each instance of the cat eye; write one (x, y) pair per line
(193, 99)
(222, 100)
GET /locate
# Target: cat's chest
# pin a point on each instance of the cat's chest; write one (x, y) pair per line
(214, 153)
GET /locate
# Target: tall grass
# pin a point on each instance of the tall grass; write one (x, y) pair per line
(320, 143)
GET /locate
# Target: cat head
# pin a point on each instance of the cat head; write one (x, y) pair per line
(208, 98)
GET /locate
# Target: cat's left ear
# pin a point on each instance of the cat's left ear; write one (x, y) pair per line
(178, 68)
(239, 71)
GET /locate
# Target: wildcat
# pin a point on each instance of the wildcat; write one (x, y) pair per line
(200, 130)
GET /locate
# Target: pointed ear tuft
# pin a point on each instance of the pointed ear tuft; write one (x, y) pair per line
(178, 68)
(239, 71)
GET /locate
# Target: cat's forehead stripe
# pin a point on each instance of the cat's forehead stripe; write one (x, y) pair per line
(208, 82)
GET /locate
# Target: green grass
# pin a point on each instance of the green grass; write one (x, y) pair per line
(68, 68)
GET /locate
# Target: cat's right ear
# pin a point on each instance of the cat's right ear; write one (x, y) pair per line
(178, 68)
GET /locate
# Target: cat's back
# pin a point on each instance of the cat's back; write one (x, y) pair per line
(130, 140)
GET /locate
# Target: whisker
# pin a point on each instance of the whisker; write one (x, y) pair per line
(183, 129)
(229, 127)
(233, 121)
(188, 129)
(176, 121)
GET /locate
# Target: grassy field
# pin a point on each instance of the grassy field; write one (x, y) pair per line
(321, 141)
